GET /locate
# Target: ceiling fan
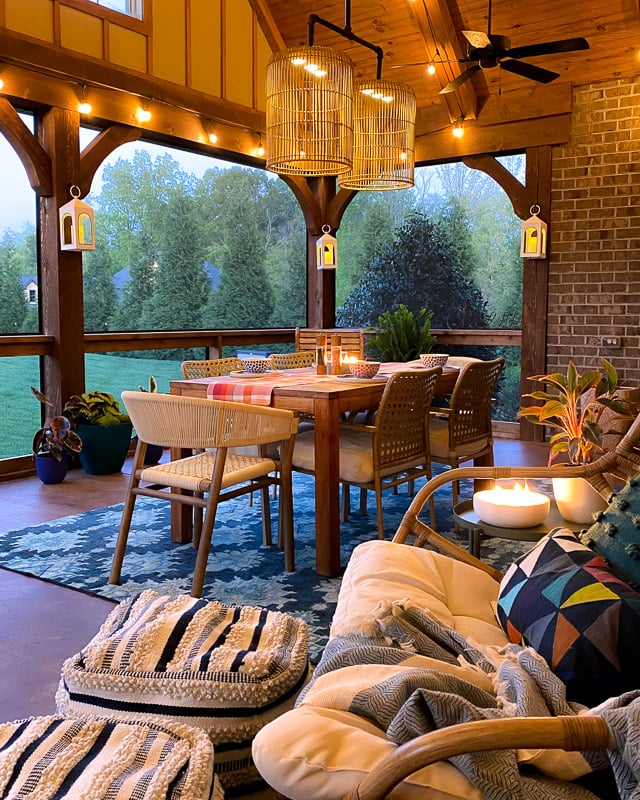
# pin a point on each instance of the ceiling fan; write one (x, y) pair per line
(488, 50)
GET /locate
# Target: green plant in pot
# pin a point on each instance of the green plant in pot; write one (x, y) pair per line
(402, 335)
(573, 405)
(104, 428)
(52, 444)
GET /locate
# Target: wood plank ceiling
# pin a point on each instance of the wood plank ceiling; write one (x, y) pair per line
(414, 32)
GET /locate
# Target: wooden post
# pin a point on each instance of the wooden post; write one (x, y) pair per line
(61, 304)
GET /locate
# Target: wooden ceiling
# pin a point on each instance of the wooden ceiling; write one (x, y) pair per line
(413, 32)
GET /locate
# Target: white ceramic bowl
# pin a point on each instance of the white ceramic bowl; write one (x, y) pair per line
(433, 359)
(257, 364)
(364, 369)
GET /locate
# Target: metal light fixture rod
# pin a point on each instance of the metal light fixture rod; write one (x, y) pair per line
(347, 33)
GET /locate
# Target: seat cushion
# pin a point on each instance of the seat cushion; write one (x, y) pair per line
(563, 600)
(439, 440)
(55, 756)
(225, 669)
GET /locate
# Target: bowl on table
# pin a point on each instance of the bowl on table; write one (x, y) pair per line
(433, 359)
(256, 364)
(364, 369)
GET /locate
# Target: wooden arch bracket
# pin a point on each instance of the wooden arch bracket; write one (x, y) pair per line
(319, 201)
(97, 150)
(33, 156)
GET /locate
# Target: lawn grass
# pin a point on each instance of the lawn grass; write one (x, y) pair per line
(20, 416)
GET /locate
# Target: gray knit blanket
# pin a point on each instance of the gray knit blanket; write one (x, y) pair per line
(514, 681)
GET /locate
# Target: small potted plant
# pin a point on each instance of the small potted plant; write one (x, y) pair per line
(104, 428)
(403, 335)
(52, 444)
(574, 406)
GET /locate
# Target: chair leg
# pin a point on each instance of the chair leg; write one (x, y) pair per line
(379, 515)
(363, 502)
(346, 501)
(204, 545)
(123, 536)
(285, 520)
(266, 517)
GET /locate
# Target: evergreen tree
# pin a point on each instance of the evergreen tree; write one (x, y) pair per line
(13, 308)
(100, 298)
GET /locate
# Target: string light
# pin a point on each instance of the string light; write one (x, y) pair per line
(431, 69)
(260, 151)
(458, 129)
(84, 107)
(143, 114)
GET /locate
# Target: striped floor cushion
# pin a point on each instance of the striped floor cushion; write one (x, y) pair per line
(226, 669)
(55, 756)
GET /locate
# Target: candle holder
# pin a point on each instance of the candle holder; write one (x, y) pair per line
(517, 506)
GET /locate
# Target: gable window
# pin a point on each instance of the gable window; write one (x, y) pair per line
(132, 8)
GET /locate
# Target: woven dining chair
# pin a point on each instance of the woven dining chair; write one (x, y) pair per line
(297, 360)
(210, 368)
(213, 475)
(462, 432)
(391, 451)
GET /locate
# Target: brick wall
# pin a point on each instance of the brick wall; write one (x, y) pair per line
(594, 267)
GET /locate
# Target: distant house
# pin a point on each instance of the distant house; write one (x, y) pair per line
(30, 288)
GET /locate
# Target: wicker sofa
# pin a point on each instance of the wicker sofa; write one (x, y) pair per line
(361, 730)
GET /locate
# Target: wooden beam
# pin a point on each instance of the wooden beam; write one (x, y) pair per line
(441, 37)
(267, 25)
(31, 153)
(99, 148)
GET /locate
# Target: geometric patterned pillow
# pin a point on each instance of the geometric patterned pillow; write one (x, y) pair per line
(563, 600)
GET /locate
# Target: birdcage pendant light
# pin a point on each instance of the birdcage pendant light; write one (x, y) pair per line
(312, 108)
(383, 137)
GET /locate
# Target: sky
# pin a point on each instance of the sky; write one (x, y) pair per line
(17, 198)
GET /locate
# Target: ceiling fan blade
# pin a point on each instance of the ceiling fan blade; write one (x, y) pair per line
(547, 48)
(477, 39)
(457, 82)
(529, 71)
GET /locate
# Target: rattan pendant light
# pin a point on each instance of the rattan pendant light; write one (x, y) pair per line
(309, 111)
(383, 137)
(313, 128)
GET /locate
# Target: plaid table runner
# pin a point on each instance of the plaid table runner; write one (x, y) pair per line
(253, 390)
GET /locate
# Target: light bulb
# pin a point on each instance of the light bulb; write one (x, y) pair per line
(213, 137)
(458, 130)
(260, 150)
(1, 84)
(84, 107)
(143, 114)
(431, 69)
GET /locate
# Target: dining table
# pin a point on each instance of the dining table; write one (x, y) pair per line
(324, 397)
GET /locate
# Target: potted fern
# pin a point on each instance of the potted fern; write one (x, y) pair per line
(104, 428)
(573, 405)
(403, 335)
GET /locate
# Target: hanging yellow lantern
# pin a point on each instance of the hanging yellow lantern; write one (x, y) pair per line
(533, 236)
(76, 224)
(326, 250)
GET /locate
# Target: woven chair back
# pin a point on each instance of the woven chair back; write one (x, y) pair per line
(304, 358)
(198, 424)
(351, 339)
(211, 368)
(402, 416)
(470, 414)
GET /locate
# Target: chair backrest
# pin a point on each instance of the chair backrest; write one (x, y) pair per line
(351, 339)
(461, 361)
(470, 406)
(402, 417)
(195, 423)
(304, 358)
(209, 368)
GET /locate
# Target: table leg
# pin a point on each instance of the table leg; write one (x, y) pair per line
(327, 486)
(181, 513)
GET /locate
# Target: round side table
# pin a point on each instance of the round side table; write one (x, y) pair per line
(466, 518)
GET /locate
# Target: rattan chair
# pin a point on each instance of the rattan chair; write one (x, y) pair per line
(463, 431)
(304, 358)
(211, 368)
(351, 339)
(211, 426)
(391, 451)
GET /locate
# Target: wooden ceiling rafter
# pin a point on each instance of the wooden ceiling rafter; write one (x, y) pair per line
(434, 20)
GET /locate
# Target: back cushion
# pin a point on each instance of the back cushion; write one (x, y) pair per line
(563, 600)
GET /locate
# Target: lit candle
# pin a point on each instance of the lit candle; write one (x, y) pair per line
(515, 507)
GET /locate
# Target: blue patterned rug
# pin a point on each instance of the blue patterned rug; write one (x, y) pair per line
(76, 551)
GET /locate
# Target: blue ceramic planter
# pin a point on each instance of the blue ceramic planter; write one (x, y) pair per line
(104, 447)
(49, 469)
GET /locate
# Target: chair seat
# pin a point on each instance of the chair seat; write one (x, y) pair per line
(439, 440)
(194, 473)
(356, 456)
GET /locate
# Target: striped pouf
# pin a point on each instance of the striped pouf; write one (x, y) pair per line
(226, 669)
(97, 759)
